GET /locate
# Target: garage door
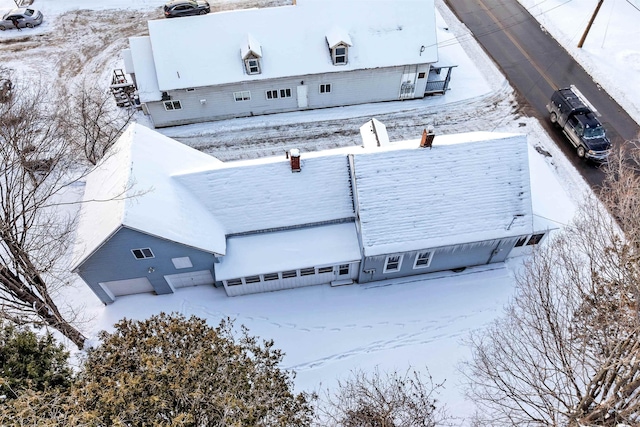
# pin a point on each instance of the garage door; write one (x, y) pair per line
(118, 288)
(194, 278)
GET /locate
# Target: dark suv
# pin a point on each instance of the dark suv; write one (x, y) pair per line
(177, 8)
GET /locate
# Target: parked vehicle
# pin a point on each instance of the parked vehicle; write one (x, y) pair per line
(575, 115)
(176, 8)
(23, 17)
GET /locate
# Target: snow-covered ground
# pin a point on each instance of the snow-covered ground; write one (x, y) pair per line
(327, 331)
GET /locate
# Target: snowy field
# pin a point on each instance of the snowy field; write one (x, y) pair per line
(324, 331)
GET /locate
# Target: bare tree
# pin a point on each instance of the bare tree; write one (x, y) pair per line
(382, 400)
(92, 121)
(36, 166)
(567, 350)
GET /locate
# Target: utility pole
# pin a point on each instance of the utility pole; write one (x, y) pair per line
(593, 18)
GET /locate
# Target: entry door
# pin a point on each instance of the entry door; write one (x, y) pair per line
(303, 97)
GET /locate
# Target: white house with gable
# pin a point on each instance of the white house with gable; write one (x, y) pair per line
(351, 215)
(312, 54)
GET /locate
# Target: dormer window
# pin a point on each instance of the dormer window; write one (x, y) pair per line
(252, 65)
(339, 54)
(339, 42)
(251, 52)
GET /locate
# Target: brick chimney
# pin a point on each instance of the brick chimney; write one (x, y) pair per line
(295, 160)
(427, 137)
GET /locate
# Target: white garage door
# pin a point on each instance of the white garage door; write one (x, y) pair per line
(194, 278)
(118, 288)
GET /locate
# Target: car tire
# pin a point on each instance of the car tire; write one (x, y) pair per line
(29, 25)
(2, 28)
(554, 119)
(202, 12)
(580, 151)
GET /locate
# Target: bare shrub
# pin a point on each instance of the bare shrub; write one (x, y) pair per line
(382, 400)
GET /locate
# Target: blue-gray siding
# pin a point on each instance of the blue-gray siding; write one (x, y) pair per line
(347, 88)
(444, 258)
(115, 261)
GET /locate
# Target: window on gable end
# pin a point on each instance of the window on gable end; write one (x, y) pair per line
(142, 253)
(252, 65)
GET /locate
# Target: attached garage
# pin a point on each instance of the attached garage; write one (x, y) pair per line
(290, 259)
(194, 278)
(119, 288)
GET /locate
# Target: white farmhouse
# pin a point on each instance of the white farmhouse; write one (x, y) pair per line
(312, 54)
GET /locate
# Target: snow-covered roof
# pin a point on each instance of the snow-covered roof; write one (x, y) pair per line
(337, 35)
(251, 45)
(467, 188)
(266, 194)
(204, 50)
(145, 69)
(133, 187)
(289, 250)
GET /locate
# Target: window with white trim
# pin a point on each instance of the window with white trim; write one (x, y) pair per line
(393, 263)
(285, 93)
(252, 65)
(423, 259)
(172, 105)
(289, 274)
(343, 269)
(244, 95)
(325, 270)
(234, 282)
(307, 271)
(339, 55)
(325, 88)
(142, 253)
(272, 94)
(252, 279)
(271, 276)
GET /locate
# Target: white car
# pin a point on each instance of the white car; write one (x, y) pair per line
(21, 18)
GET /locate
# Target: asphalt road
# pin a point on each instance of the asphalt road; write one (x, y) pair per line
(536, 65)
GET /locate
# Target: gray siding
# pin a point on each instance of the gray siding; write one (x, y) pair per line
(115, 261)
(347, 88)
(444, 258)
